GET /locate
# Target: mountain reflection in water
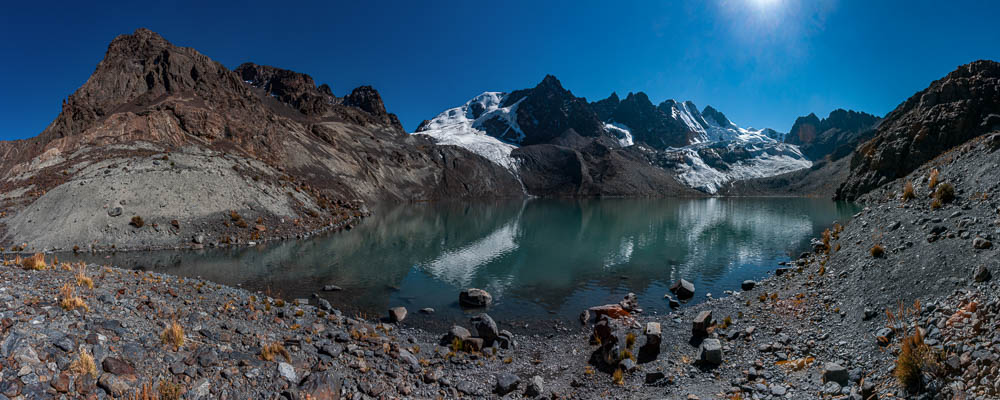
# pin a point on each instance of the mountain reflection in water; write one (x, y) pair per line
(540, 258)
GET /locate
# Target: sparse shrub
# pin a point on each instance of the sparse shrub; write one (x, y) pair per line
(68, 301)
(945, 193)
(933, 181)
(175, 223)
(629, 340)
(726, 322)
(271, 350)
(915, 358)
(235, 216)
(908, 193)
(242, 224)
(877, 251)
(169, 390)
(826, 241)
(35, 262)
(279, 303)
(82, 279)
(935, 204)
(299, 313)
(84, 364)
(137, 222)
(456, 345)
(627, 354)
(173, 335)
(618, 377)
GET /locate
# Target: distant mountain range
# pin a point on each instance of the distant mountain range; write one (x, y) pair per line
(704, 149)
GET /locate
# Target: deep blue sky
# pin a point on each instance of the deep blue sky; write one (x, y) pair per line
(762, 62)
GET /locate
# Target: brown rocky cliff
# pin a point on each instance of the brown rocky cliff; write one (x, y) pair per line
(962, 105)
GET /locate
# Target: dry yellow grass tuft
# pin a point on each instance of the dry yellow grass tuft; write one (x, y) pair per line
(270, 351)
(618, 377)
(82, 279)
(35, 262)
(169, 390)
(908, 193)
(84, 364)
(68, 301)
(933, 181)
(173, 335)
(137, 222)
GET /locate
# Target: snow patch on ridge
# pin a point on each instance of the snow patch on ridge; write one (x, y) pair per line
(766, 159)
(620, 131)
(464, 126)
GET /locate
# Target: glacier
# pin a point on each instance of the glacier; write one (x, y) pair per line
(460, 126)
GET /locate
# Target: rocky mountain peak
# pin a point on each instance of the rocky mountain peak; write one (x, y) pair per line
(138, 70)
(366, 98)
(715, 115)
(605, 108)
(296, 89)
(547, 110)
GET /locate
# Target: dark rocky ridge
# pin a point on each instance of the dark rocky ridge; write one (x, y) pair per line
(548, 110)
(836, 135)
(962, 105)
(572, 166)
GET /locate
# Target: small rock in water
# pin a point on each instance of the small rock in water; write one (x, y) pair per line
(475, 298)
(683, 289)
(748, 285)
(427, 310)
(332, 288)
(397, 314)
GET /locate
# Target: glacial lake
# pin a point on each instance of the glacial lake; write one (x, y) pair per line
(541, 259)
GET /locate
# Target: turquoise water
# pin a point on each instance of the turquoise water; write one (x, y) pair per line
(541, 259)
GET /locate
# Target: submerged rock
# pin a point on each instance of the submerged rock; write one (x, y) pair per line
(475, 298)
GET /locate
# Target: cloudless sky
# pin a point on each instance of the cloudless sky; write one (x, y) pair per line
(761, 62)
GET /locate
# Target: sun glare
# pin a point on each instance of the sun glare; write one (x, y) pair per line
(764, 4)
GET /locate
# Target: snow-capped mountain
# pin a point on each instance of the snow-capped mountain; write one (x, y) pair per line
(478, 126)
(702, 149)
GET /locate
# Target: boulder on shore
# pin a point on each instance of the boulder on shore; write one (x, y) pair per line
(701, 323)
(710, 352)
